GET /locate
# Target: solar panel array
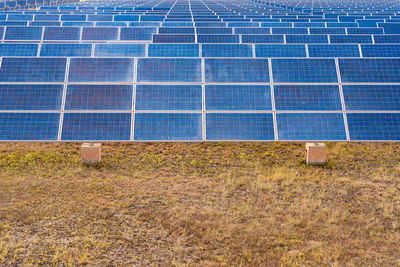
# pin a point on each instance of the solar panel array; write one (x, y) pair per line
(201, 70)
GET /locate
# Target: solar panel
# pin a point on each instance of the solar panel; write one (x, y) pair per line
(33, 70)
(101, 70)
(120, 50)
(168, 127)
(18, 50)
(66, 50)
(238, 97)
(168, 70)
(168, 97)
(99, 97)
(304, 70)
(173, 50)
(208, 71)
(310, 126)
(29, 126)
(236, 70)
(239, 126)
(30, 96)
(96, 127)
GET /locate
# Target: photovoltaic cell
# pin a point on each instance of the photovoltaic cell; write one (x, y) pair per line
(237, 70)
(238, 97)
(18, 50)
(168, 97)
(100, 33)
(281, 51)
(62, 33)
(96, 126)
(101, 70)
(304, 70)
(370, 70)
(173, 38)
(372, 97)
(306, 39)
(29, 126)
(99, 97)
(33, 70)
(169, 70)
(30, 97)
(119, 50)
(239, 126)
(374, 126)
(217, 38)
(307, 97)
(333, 50)
(227, 50)
(23, 33)
(272, 39)
(66, 50)
(168, 127)
(377, 50)
(139, 34)
(310, 126)
(173, 50)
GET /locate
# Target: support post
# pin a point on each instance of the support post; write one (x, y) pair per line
(315, 153)
(91, 153)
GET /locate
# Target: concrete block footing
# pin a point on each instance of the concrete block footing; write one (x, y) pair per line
(91, 153)
(315, 153)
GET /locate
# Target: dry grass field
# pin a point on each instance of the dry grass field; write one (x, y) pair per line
(213, 204)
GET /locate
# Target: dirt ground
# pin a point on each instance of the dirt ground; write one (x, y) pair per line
(196, 204)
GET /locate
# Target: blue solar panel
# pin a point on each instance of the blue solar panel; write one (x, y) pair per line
(101, 70)
(173, 50)
(119, 50)
(99, 97)
(169, 70)
(168, 127)
(227, 50)
(171, 30)
(271, 39)
(29, 126)
(99, 33)
(30, 97)
(62, 33)
(33, 70)
(280, 50)
(126, 18)
(23, 33)
(252, 31)
(304, 70)
(351, 39)
(307, 97)
(236, 70)
(66, 50)
(391, 28)
(289, 31)
(96, 127)
(214, 30)
(173, 38)
(381, 50)
(310, 126)
(140, 34)
(18, 50)
(168, 97)
(387, 39)
(370, 70)
(238, 97)
(372, 97)
(374, 126)
(239, 126)
(307, 39)
(333, 50)
(217, 38)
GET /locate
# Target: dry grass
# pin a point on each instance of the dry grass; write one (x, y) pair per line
(208, 204)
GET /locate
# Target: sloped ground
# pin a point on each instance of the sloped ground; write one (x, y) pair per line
(200, 204)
